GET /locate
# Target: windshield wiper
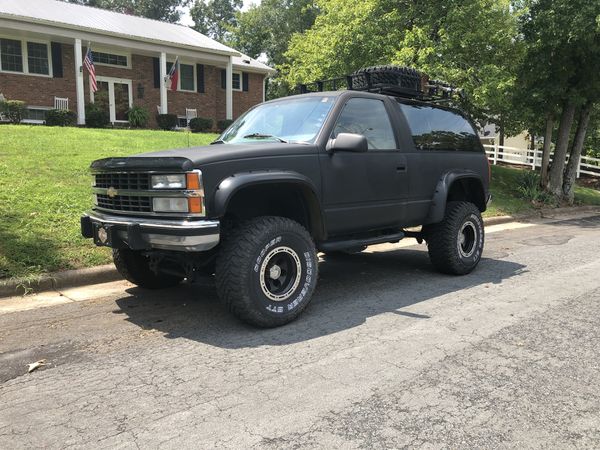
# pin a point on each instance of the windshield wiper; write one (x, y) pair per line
(218, 141)
(264, 136)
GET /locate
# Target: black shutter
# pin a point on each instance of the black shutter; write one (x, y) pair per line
(156, 65)
(223, 79)
(245, 82)
(200, 77)
(57, 65)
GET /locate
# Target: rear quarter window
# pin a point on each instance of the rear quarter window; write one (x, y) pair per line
(439, 129)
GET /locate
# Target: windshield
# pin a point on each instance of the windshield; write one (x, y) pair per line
(294, 120)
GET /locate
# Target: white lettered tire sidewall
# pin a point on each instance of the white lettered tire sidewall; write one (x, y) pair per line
(298, 297)
(473, 260)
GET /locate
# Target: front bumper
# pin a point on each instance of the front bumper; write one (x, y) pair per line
(143, 233)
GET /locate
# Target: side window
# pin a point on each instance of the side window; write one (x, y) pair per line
(439, 129)
(368, 117)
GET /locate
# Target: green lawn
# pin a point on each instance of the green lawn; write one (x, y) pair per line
(45, 186)
(507, 201)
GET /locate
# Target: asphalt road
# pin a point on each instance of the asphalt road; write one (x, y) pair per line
(390, 354)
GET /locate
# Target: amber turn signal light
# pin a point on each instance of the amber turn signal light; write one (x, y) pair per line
(195, 204)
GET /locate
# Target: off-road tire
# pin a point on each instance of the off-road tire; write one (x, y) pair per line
(386, 76)
(446, 252)
(134, 267)
(247, 252)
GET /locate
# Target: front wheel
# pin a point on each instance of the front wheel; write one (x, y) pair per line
(455, 245)
(267, 271)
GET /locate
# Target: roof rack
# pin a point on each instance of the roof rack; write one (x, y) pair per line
(394, 81)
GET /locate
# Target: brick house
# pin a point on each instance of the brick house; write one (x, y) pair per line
(43, 42)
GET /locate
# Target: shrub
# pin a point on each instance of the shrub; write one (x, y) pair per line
(200, 124)
(529, 188)
(60, 118)
(138, 117)
(95, 116)
(222, 125)
(13, 109)
(166, 121)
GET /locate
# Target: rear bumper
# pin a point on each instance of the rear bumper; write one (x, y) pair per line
(143, 233)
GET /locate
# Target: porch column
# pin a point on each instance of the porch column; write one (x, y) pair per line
(79, 83)
(163, 85)
(229, 90)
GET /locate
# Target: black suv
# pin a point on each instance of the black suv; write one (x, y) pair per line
(323, 171)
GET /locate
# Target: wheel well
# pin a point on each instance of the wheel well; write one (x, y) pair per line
(468, 189)
(290, 200)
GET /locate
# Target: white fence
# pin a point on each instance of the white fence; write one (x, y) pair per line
(533, 158)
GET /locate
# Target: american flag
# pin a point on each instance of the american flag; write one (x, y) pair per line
(88, 62)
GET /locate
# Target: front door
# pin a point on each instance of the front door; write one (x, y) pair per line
(114, 94)
(368, 190)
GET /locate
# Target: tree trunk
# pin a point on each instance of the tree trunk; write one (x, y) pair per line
(560, 152)
(546, 151)
(575, 155)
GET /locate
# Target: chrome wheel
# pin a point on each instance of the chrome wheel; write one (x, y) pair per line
(467, 239)
(280, 274)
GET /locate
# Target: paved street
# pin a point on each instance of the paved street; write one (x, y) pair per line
(390, 354)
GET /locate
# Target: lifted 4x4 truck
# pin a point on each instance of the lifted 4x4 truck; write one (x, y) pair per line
(328, 171)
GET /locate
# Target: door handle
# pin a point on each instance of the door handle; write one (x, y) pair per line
(401, 168)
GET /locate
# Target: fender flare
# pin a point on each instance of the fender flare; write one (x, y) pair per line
(229, 186)
(440, 196)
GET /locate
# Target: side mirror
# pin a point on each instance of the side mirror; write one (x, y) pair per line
(348, 142)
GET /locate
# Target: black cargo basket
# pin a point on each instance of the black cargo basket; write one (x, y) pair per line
(390, 80)
(387, 77)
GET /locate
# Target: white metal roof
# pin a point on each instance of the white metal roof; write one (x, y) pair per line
(69, 15)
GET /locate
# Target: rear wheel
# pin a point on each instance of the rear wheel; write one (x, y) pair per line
(455, 245)
(267, 271)
(135, 268)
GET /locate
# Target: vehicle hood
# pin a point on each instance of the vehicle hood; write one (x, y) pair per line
(195, 157)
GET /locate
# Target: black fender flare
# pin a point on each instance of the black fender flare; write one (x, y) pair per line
(229, 186)
(440, 196)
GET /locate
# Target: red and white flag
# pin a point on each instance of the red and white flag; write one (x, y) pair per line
(88, 62)
(173, 75)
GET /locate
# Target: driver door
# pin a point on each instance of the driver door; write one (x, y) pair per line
(364, 191)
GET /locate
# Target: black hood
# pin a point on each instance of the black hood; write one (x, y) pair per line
(194, 157)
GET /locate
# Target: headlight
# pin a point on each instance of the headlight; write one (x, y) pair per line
(168, 181)
(170, 204)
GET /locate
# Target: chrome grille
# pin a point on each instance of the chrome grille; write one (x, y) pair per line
(125, 203)
(130, 181)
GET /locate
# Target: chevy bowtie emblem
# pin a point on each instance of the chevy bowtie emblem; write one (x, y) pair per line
(112, 192)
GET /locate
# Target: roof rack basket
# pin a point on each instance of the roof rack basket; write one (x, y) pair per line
(395, 81)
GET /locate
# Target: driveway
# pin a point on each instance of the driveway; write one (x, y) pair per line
(390, 354)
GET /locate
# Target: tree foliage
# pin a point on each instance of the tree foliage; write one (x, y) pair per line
(267, 28)
(560, 76)
(215, 18)
(164, 10)
(471, 43)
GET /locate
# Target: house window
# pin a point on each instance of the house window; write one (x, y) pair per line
(25, 57)
(35, 115)
(236, 81)
(110, 59)
(11, 56)
(187, 79)
(37, 58)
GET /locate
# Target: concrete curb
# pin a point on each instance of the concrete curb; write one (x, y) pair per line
(104, 274)
(60, 280)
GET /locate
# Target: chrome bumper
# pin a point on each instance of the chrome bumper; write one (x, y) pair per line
(143, 233)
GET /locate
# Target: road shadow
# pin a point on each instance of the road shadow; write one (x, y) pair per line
(350, 290)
